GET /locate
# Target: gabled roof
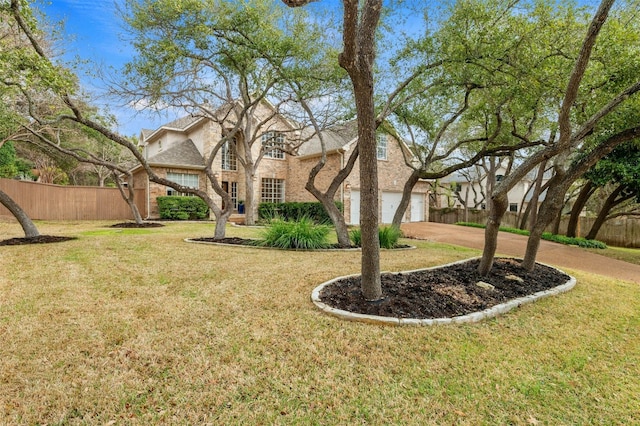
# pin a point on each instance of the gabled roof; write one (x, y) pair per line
(335, 138)
(182, 154)
(180, 124)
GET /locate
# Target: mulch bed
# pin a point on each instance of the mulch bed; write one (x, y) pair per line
(41, 239)
(443, 292)
(227, 240)
(137, 225)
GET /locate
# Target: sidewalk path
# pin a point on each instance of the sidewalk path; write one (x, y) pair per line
(509, 244)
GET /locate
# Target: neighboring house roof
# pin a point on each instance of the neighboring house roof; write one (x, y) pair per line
(183, 154)
(335, 138)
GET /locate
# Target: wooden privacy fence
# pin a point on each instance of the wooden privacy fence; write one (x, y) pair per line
(620, 232)
(55, 202)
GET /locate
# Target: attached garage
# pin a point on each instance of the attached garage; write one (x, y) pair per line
(390, 202)
(355, 207)
(417, 207)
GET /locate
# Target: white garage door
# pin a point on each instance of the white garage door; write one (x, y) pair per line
(355, 207)
(417, 207)
(390, 202)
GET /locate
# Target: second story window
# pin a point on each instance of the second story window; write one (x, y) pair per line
(271, 143)
(229, 160)
(381, 144)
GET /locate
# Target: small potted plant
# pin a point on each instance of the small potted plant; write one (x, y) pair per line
(241, 207)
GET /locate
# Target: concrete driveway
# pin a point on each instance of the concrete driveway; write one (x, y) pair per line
(555, 254)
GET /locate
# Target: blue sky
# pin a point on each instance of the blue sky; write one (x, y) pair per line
(93, 33)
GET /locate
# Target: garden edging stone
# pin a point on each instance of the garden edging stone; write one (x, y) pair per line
(462, 319)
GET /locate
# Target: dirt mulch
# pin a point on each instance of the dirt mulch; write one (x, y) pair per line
(137, 225)
(41, 239)
(443, 292)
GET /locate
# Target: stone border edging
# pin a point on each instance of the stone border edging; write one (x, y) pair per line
(462, 319)
(191, 240)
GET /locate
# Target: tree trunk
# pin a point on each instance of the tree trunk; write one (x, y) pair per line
(611, 202)
(525, 217)
(556, 223)
(327, 197)
(406, 198)
(497, 208)
(585, 193)
(29, 228)
(549, 211)
(336, 216)
(371, 283)
(357, 58)
(536, 196)
(221, 215)
(466, 204)
(129, 196)
(249, 209)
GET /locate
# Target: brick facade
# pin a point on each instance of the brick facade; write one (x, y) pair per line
(293, 169)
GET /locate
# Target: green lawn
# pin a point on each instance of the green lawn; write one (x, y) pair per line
(144, 328)
(631, 255)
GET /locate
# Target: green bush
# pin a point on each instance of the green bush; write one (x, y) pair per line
(294, 211)
(300, 234)
(182, 208)
(388, 236)
(562, 239)
(356, 237)
(580, 242)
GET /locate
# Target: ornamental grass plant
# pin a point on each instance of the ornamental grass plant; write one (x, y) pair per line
(388, 236)
(302, 234)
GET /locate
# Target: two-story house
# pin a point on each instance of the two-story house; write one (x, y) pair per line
(177, 151)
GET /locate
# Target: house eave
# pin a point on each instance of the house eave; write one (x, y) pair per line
(319, 154)
(177, 166)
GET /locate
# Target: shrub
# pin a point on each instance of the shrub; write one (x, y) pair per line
(562, 239)
(356, 237)
(294, 211)
(300, 234)
(580, 242)
(388, 236)
(182, 208)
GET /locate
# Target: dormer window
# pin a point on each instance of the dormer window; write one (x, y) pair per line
(272, 142)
